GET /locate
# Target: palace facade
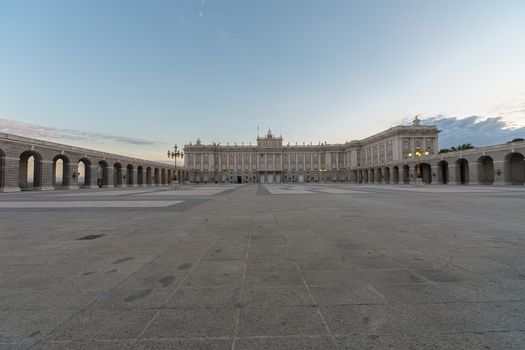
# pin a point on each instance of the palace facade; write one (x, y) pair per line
(272, 161)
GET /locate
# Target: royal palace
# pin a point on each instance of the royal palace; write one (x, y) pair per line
(273, 161)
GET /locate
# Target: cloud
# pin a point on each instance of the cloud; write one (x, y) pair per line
(477, 130)
(10, 126)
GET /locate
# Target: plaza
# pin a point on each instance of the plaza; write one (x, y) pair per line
(263, 266)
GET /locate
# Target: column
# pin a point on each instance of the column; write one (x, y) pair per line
(71, 182)
(11, 174)
(499, 168)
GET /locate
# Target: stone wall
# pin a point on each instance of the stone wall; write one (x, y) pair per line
(101, 169)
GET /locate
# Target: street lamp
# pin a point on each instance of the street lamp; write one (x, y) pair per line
(322, 171)
(418, 154)
(176, 153)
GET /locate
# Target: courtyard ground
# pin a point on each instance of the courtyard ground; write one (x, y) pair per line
(264, 267)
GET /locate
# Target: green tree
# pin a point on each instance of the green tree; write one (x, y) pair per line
(461, 147)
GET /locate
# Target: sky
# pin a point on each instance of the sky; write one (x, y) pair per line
(137, 77)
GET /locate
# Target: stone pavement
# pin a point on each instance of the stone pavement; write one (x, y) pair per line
(264, 267)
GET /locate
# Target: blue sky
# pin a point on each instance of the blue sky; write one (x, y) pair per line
(138, 76)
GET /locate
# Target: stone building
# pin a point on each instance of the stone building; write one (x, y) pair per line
(272, 161)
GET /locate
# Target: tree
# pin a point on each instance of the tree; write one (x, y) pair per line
(518, 139)
(461, 147)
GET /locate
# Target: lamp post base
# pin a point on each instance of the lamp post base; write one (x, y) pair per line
(175, 185)
(419, 182)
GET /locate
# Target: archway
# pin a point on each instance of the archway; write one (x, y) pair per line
(117, 174)
(371, 175)
(170, 175)
(60, 171)
(395, 174)
(387, 175)
(426, 173)
(129, 175)
(156, 174)
(462, 171)
(102, 174)
(486, 170)
(163, 179)
(30, 171)
(515, 169)
(149, 176)
(140, 175)
(365, 176)
(379, 175)
(84, 172)
(406, 174)
(443, 172)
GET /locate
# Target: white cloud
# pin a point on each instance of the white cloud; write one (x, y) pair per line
(477, 130)
(11, 126)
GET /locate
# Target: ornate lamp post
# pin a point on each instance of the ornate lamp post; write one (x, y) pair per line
(322, 172)
(175, 154)
(418, 154)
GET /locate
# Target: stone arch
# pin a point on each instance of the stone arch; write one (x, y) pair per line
(426, 173)
(30, 171)
(442, 175)
(117, 174)
(386, 174)
(84, 172)
(395, 174)
(379, 175)
(60, 176)
(406, 174)
(371, 175)
(485, 170)
(462, 171)
(130, 178)
(163, 179)
(103, 174)
(515, 169)
(140, 175)
(149, 176)
(365, 175)
(2, 169)
(156, 176)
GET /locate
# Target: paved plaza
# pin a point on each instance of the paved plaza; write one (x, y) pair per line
(264, 267)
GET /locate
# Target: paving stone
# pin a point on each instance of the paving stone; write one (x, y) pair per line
(357, 294)
(415, 293)
(367, 319)
(205, 297)
(192, 323)
(286, 343)
(273, 278)
(29, 326)
(332, 278)
(296, 320)
(104, 325)
(184, 344)
(390, 277)
(276, 296)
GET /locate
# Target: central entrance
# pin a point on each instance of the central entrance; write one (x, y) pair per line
(239, 179)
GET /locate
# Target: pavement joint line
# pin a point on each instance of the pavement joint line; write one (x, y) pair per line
(308, 289)
(178, 286)
(81, 310)
(238, 315)
(93, 302)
